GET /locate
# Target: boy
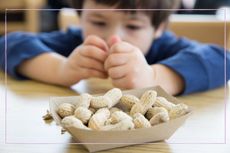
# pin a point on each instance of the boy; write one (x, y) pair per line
(130, 47)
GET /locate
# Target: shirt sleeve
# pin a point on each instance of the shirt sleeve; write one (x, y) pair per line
(21, 46)
(201, 66)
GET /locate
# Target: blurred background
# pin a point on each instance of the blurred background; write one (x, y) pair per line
(25, 15)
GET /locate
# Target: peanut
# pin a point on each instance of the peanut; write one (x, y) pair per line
(147, 100)
(129, 100)
(93, 110)
(71, 121)
(125, 124)
(153, 111)
(115, 95)
(110, 99)
(140, 121)
(65, 109)
(83, 114)
(100, 102)
(163, 102)
(114, 109)
(178, 110)
(84, 100)
(137, 108)
(159, 118)
(99, 118)
(118, 116)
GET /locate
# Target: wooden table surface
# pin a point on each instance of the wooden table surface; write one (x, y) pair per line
(22, 129)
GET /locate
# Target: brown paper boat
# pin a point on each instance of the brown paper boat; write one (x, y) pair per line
(102, 140)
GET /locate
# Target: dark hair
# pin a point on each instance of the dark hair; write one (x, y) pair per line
(157, 16)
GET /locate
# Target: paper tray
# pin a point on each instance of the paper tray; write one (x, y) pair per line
(102, 140)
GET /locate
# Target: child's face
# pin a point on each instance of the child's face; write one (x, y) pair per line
(135, 29)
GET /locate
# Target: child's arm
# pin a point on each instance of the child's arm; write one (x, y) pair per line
(44, 67)
(84, 62)
(202, 66)
(168, 79)
(17, 47)
(47, 56)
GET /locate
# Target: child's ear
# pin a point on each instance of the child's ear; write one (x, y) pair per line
(113, 40)
(159, 31)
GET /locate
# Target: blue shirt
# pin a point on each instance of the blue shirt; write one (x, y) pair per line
(201, 66)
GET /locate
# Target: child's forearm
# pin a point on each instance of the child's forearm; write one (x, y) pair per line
(45, 68)
(168, 79)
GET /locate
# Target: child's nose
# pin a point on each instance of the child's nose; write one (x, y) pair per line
(118, 31)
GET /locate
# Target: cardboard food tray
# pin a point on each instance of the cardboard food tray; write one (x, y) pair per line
(102, 140)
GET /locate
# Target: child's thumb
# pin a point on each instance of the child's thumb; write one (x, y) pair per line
(113, 40)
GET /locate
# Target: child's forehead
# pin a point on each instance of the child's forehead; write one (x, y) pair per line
(119, 16)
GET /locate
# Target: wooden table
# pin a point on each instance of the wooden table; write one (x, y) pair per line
(22, 129)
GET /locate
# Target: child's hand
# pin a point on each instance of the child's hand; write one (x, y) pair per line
(85, 61)
(127, 67)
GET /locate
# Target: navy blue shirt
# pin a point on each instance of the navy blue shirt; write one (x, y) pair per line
(201, 66)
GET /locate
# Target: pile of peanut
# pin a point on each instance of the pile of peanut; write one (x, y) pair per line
(99, 113)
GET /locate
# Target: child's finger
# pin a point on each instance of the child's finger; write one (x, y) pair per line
(123, 83)
(91, 63)
(88, 73)
(118, 72)
(116, 60)
(93, 52)
(96, 41)
(113, 40)
(121, 47)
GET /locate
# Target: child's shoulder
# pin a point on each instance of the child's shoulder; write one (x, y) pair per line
(168, 38)
(74, 30)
